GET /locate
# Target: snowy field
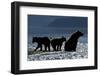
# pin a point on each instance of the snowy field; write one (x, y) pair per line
(81, 52)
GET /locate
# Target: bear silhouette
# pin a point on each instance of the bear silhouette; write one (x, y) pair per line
(57, 43)
(71, 44)
(42, 41)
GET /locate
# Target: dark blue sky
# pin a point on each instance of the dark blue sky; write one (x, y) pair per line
(39, 24)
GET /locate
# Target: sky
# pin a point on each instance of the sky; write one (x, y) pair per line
(56, 25)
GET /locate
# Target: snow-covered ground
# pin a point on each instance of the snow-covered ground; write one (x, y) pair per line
(81, 52)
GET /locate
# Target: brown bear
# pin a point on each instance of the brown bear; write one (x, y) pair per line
(71, 44)
(42, 41)
(57, 43)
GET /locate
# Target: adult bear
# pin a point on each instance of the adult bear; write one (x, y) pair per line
(71, 44)
(42, 41)
(57, 43)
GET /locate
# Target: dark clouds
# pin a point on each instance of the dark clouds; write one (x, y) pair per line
(56, 24)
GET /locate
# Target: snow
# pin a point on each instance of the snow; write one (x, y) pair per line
(81, 52)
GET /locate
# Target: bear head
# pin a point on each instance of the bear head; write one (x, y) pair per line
(79, 33)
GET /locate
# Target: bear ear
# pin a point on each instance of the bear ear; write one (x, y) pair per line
(78, 31)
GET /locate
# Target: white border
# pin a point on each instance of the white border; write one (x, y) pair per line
(26, 65)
